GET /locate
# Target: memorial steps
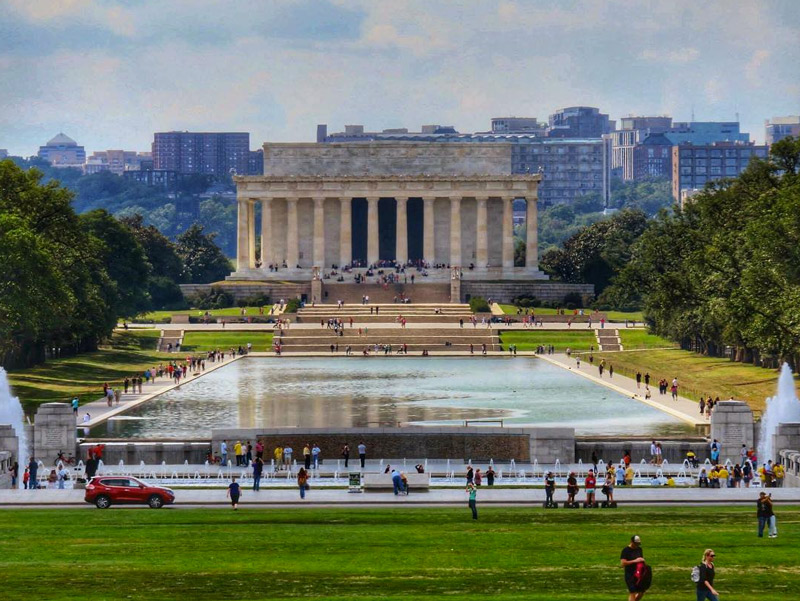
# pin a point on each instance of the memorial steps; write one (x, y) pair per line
(387, 313)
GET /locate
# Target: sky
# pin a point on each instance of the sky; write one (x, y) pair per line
(109, 73)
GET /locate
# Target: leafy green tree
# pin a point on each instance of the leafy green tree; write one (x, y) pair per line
(203, 260)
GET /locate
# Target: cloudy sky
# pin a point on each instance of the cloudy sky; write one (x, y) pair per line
(111, 72)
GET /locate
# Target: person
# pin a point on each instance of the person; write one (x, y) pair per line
(608, 488)
(287, 456)
(705, 586)
(747, 473)
(307, 455)
(234, 492)
(478, 477)
(362, 453)
(397, 482)
(302, 482)
(315, 451)
(33, 467)
(572, 488)
(223, 452)
(277, 455)
(715, 448)
(590, 483)
(631, 556)
(258, 468)
(490, 474)
(14, 469)
(470, 474)
(75, 406)
(26, 477)
(237, 450)
(780, 473)
(549, 488)
(62, 476)
(473, 499)
(346, 454)
(702, 479)
(766, 515)
(420, 468)
(629, 474)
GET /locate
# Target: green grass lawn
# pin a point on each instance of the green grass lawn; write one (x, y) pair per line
(640, 339)
(207, 341)
(700, 375)
(410, 554)
(611, 315)
(83, 375)
(529, 340)
(160, 316)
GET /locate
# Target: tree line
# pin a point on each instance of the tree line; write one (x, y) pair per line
(66, 279)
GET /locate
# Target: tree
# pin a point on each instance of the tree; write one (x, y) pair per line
(160, 252)
(125, 262)
(202, 258)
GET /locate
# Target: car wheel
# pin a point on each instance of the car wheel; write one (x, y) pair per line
(155, 502)
(102, 502)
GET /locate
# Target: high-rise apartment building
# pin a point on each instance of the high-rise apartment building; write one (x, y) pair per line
(115, 161)
(63, 151)
(579, 122)
(217, 154)
(781, 127)
(693, 166)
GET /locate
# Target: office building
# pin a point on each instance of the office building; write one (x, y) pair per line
(217, 154)
(528, 126)
(63, 151)
(579, 122)
(781, 127)
(633, 131)
(702, 133)
(693, 166)
(652, 158)
(155, 178)
(115, 161)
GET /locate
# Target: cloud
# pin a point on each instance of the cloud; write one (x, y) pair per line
(675, 57)
(753, 68)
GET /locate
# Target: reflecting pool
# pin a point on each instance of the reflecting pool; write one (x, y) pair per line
(385, 391)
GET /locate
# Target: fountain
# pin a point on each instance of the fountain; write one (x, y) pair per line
(11, 413)
(781, 408)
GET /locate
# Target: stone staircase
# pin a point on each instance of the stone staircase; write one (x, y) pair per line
(430, 339)
(387, 313)
(173, 337)
(608, 340)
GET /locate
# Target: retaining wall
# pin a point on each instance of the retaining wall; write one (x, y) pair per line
(504, 291)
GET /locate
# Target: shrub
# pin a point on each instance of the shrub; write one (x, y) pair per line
(292, 306)
(526, 301)
(574, 299)
(258, 300)
(478, 304)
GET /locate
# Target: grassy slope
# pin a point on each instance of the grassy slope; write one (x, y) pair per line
(415, 553)
(699, 375)
(612, 315)
(61, 379)
(229, 312)
(640, 339)
(528, 340)
(206, 341)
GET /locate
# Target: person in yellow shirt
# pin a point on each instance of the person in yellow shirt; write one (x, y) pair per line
(713, 476)
(307, 457)
(237, 450)
(628, 476)
(723, 476)
(277, 454)
(779, 472)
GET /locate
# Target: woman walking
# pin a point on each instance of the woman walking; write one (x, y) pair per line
(302, 482)
(234, 492)
(705, 586)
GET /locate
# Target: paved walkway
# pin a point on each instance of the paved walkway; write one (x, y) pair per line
(441, 497)
(99, 410)
(682, 408)
(314, 325)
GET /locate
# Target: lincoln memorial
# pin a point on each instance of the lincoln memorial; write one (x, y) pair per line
(445, 208)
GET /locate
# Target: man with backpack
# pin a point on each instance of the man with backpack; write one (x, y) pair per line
(637, 572)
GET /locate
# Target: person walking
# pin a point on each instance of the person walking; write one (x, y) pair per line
(234, 493)
(631, 556)
(346, 454)
(302, 482)
(470, 474)
(705, 586)
(472, 490)
(362, 453)
(258, 468)
(766, 515)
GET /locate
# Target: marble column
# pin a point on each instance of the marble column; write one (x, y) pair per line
(508, 232)
(428, 250)
(482, 232)
(455, 232)
(319, 232)
(345, 231)
(532, 233)
(251, 232)
(401, 238)
(242, 239)
(373, 247)
(292, 250)
(266, 234)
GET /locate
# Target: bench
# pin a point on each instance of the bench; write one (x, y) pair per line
(416, 482)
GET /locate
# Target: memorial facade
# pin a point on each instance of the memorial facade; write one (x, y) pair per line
(442, 207)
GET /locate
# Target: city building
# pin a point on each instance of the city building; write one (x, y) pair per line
(255, 162)
(220, 155)
(781, 127)
(528, 126)
(570, 167)
(633, 131)
(63, 151)
(701, 133)
(693, 166)
(155, 178)
(652, 158)
(115, 161)
(579, 122)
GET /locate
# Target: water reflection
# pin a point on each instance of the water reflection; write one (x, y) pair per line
(377, 391)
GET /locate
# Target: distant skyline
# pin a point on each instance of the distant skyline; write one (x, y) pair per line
(109, 73)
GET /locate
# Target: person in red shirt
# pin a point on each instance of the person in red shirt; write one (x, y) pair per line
(590, 484)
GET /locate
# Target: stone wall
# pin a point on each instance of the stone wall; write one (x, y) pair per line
(274, 290)
(791, 462)
(53, 431)
(504, 291)
(612, 451)
(457, 443)
(387, 158)
(786, 436)
(152, 453)
(732, 425)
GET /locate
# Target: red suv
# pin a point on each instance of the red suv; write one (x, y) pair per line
(105, 490)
